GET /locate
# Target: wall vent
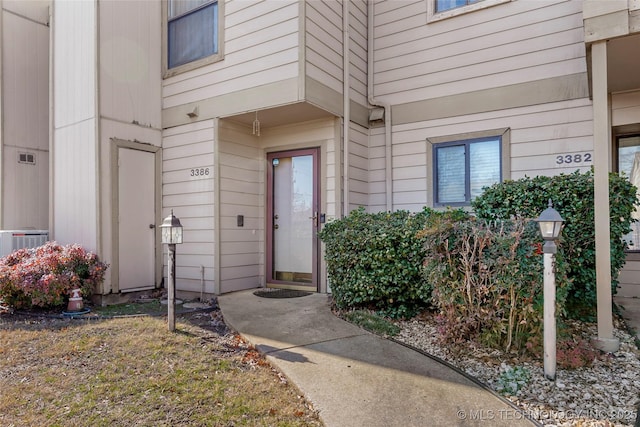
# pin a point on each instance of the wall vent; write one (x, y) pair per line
(27, 158)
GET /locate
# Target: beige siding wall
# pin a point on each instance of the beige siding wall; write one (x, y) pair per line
(377, 171)
(324, 46)
(260, 47)
(625, 108)
(320, 133)
(187, 148)
(75, 139)
(510, 43)
(25, 114)
(130, 93)
(241, 193)
(358, 167)
(324, 43)
(358, 49)
(538, 135)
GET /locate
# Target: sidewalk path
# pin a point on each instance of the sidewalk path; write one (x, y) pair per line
(355, 378)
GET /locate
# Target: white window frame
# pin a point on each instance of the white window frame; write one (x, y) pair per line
(432, 16)
(505, 158)
(218, 56)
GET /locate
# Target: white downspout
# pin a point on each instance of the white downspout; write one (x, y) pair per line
(346, 114)
(377, 103)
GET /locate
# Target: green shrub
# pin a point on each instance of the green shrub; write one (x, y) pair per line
(572, 196)
(488, 280)
(374, 261)
(45, 276)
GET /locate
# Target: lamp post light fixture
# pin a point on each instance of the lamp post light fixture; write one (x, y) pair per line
(171, 235)
(550, 223)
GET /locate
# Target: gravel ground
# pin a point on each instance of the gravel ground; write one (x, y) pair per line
(604, 394)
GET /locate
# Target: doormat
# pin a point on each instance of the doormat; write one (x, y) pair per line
(280, 293)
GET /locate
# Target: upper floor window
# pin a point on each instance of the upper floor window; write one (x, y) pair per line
(462, 169)
(444, 9)
(442, 5)
(192, 31)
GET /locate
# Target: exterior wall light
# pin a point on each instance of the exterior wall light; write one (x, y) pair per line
(171, 235)
(550, 223)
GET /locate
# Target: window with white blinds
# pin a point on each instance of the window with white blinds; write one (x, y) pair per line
(192, 30)
(462, 169)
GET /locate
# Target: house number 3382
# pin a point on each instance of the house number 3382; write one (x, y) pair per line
(200, 172)
(568, 159)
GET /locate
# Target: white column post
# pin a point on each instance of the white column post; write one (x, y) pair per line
(605, 340)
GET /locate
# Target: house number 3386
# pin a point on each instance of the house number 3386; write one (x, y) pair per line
(200, 172)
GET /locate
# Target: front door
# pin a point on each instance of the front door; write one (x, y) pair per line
(136, 220)
(292, 218)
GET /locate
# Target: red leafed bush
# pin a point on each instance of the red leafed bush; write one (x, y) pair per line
(44, 276)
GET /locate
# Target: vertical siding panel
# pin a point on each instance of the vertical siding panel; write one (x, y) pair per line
(74, 155)
(130, 51)
(25, 92)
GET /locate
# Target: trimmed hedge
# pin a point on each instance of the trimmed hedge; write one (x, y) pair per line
(374, 261)
(572, 196)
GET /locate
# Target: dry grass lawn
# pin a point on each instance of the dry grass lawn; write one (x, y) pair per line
(132, 372)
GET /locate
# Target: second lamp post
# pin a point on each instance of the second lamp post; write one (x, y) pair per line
(550, 223)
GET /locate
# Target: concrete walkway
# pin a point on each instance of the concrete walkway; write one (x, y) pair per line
(355, 378)
(630, 312)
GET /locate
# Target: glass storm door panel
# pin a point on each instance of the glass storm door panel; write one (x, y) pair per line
(293, 210)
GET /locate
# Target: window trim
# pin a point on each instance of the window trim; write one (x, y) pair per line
(433, 142)
(433, 16)
(632, 254)
(216, 57)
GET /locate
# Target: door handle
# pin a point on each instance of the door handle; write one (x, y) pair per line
(315, 219)
(152, 226)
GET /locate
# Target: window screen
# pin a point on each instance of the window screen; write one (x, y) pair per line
(442, 5)
(192, 30)
(463, 169)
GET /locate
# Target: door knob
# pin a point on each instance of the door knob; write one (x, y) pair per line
(152, 226)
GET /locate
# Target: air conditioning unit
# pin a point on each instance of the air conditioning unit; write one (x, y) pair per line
(12, 240)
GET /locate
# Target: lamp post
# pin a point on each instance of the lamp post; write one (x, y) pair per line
(550, 223)
(171, 235)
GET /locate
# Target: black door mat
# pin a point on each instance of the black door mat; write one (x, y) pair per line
(280, 293)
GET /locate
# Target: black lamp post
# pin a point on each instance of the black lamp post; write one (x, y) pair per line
(171, 235)
(550, 223)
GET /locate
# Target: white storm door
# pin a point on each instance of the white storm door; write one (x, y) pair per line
(136, 219)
